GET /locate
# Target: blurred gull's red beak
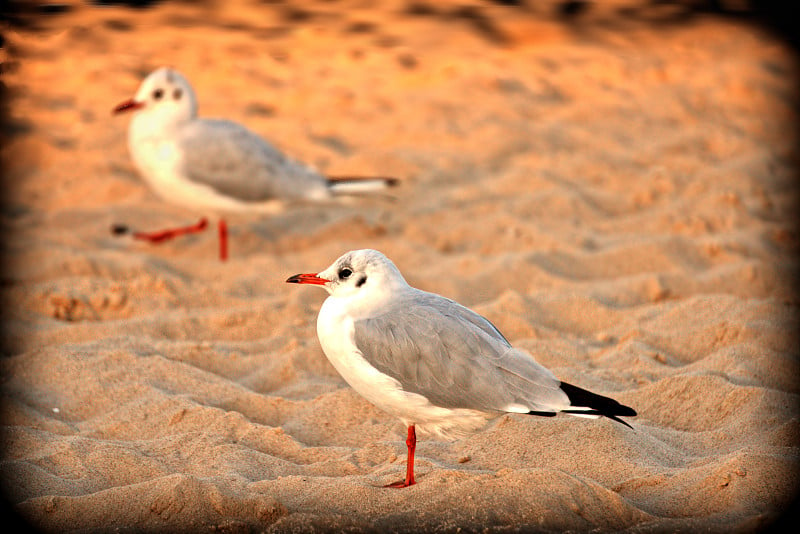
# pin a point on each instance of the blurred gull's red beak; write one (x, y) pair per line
(128, 105)
(307, 279)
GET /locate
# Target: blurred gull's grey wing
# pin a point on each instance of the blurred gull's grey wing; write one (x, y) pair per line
(237, 163)
(454, 357)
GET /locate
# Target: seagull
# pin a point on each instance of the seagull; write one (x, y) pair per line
(216, 164)
(430, 361)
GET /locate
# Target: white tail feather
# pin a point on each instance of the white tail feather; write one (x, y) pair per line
(357, 185)
(515, 408)
(585, 415)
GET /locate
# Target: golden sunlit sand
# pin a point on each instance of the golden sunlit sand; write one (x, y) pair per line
(617, 196)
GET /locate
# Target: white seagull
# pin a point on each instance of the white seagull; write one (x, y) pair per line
(430, 361)
(216, 164)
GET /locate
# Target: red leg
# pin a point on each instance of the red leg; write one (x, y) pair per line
(171, 233)
(223, 239)
(411, 443)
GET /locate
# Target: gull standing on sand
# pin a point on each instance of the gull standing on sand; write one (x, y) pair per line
(430, 361)
(216, 164)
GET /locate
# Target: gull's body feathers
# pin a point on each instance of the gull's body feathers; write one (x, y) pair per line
(386, 390)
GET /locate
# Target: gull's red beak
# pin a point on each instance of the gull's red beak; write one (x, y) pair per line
(307, 279)
(128, 105)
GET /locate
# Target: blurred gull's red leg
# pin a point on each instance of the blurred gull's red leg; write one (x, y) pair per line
(223, 239)
(171, 233)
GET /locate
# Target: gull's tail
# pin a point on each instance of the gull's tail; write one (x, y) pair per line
(584, 403)
(359, 185)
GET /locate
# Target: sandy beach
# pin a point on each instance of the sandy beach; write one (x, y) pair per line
(616, 191)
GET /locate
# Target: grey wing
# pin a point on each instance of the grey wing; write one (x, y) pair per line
(455, 357)
(238, 163)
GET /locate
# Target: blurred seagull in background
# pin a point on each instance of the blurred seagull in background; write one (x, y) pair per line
(430, 361)
(216, 164)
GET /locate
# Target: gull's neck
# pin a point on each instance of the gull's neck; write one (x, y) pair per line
(149, 124)
(371, 302)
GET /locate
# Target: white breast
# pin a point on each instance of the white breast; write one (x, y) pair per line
(335, 330)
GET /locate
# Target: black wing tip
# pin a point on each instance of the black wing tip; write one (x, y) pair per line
(617, 419)
(600, 414)
(390, 181)
(600, 405)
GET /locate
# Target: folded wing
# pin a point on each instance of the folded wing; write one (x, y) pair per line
(237, 163)
(456, 358)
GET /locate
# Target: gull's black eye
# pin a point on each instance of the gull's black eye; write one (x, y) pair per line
(157, 94)
(345, 273)
(176, 94)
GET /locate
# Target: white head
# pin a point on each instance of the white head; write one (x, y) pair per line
(164, 97)
(358, 274)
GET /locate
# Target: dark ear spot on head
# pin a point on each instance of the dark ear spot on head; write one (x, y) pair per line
(360, 281)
